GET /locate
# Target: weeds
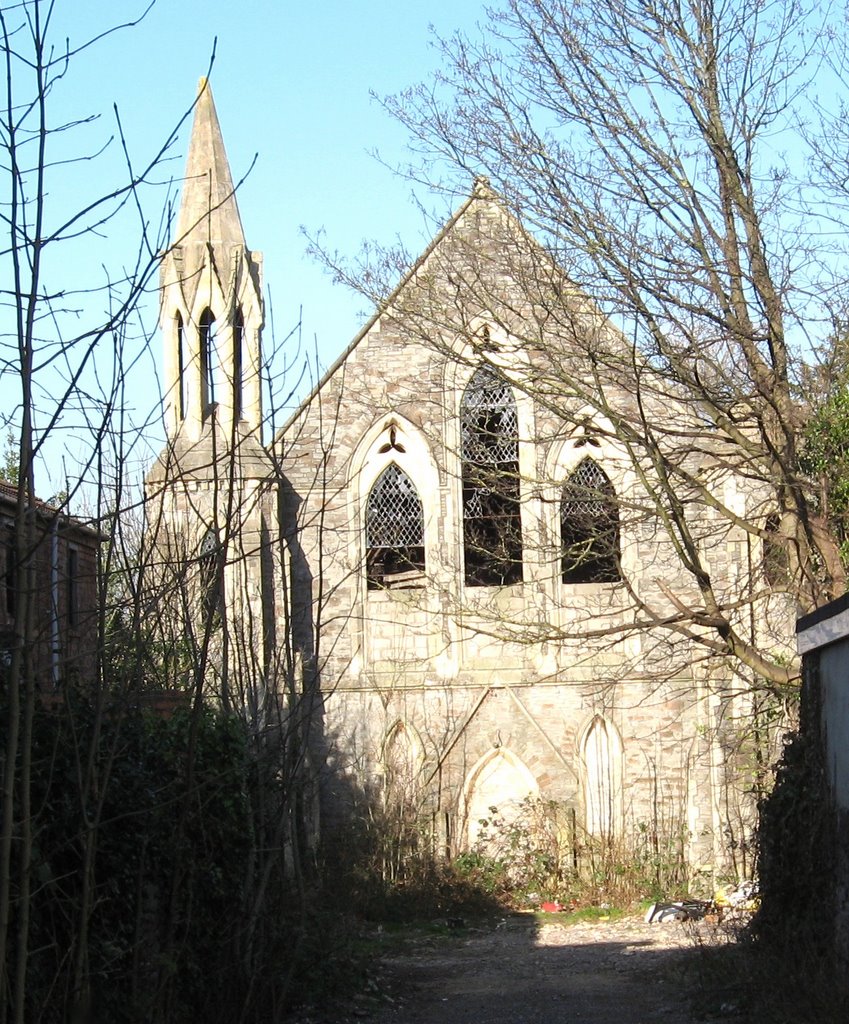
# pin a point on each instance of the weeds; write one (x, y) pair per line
(540, 854)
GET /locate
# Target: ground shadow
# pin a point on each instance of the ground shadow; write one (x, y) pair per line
(513, 969)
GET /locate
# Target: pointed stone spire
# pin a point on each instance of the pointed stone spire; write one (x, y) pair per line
(208, 208)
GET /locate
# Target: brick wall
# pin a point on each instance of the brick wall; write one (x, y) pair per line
(61, 556)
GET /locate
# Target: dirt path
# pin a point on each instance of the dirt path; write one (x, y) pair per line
(519, 972)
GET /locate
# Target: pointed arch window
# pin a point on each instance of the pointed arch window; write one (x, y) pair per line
(499, 793)
(395, 554)
(589, 526)
(401, 765)
(181, 367)
(602, 757)
(238, 362)
(489, 438)
(206, 337)
(211, 583)
(776, 556)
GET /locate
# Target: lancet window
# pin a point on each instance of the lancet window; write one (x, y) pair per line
(589, 526)
(776, 557)
(602, 763)
(238, 361)
(211, 588)
(395, 554)
(489, 437)
(206, 332)
(181, 367)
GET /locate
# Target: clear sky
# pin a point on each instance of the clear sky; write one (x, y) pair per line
(292, 85)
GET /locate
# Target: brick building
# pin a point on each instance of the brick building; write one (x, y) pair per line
(56, 558)
(441, 558)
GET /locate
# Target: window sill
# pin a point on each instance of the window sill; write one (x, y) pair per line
(409, 596)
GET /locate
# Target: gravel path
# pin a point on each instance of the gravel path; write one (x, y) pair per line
(520, 972)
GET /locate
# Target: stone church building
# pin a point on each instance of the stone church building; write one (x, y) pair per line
(436, 573)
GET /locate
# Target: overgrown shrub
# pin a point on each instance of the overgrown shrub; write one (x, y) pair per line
(162, 878)
(141, 836)
(384, 865)
(540, 853)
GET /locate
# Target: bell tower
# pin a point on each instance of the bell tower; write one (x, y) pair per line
(211, 312)
(211, 493)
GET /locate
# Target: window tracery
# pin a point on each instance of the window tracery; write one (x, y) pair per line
(589, 526)
(395, 555)
(489, 439)
(211, 589)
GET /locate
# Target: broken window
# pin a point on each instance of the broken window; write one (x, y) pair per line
(395, 555)
(589, 526)
(492, 526)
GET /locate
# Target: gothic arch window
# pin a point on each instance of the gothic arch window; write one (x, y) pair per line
(181, 367)
(601, 757)
(395, 554)
(776, 558)
(206, 337)
(238, 361)
(489, 441)
(211, 583)
(589, 526)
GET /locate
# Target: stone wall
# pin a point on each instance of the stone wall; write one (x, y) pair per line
(520, 672)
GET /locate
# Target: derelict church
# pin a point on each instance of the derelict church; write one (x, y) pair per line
(435, 567)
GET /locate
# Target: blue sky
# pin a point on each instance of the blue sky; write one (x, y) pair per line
(292, 85)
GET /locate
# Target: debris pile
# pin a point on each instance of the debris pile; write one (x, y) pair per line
(741, 899)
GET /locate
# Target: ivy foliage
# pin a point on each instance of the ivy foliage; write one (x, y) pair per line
(825, 459)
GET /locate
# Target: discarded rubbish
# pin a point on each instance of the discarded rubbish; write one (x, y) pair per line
(679, 910)
(742, 898)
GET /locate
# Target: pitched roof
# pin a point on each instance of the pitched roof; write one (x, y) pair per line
(9, 499)
(481, 191)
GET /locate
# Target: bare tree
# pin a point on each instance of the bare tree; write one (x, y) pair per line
(69, 353)
(671, 298)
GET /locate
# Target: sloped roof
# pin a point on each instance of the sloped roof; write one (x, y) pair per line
(482, 192)
(9, 499)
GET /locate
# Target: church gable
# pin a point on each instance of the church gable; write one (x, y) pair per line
(474, 545)
(447, 545)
